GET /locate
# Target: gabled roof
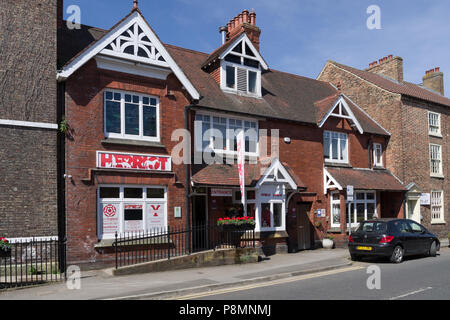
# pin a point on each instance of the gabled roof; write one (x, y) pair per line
(403, 88)
(363, 122)
(229, 45)
(130, 39)
(285, 96)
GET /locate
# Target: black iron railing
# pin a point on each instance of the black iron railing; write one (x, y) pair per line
(165, 243)
(32, 262)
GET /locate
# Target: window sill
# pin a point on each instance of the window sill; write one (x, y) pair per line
(126, 142)
(436, 135)
(438, 176)
(334, 230)
(379, 168)
(438, 222)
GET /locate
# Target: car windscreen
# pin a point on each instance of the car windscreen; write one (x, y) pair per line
(373, 226)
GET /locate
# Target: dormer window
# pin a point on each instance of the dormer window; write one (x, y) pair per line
(241, 67)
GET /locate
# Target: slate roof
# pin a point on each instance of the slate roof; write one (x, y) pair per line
(285, 96)
(366, 179)
(403, 88)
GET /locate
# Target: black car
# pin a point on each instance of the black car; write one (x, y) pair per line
(393, 238)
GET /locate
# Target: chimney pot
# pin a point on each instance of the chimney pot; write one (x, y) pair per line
(390, 56)
(241, 18)
(380, 61)
(253, 17)
(245, 15)
(437, 69)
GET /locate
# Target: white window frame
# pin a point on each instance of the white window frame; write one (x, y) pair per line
(122, 135)
(438, 133)
(433, 204)
(440, 173)
(347, 147)
(258, 211)
(121, 201)
(226, 151)
(365, 201)
(223, 78)
(377, 147)
(332, 203)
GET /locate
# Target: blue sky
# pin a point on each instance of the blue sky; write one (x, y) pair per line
(299, 36)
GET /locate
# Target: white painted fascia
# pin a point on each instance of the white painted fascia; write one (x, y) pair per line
(347, 109)
(275, 167)
(252, 47)
(93, 51)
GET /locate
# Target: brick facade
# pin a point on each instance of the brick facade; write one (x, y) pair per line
(84, 114)
(406, 118)
(28, 156)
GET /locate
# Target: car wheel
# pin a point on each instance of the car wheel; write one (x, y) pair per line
(433, 249)
(355, 257)
(397, 255)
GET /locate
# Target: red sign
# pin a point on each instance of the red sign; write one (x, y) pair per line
(133, 161)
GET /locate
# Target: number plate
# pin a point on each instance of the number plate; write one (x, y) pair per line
(364, 248)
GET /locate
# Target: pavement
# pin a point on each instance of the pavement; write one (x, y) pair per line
(100, 285)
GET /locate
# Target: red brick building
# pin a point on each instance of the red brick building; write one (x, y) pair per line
(417, 116)
(126, 94)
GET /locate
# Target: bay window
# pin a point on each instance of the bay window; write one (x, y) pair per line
(364, 207)
(335, 147)
(131, 116)
(130, 209)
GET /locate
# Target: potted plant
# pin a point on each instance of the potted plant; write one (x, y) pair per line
(5, 247)
(327, 242)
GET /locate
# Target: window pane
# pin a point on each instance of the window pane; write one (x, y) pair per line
(133, 218)
(370, 210)
(326, 145)
(150, 121)
(370, 196)
(251, 63)
(133, 193)
(132, 119)
(231, 77)
(250, 195)
(109, 193)
(248, 51)
(277, 214)
(343, 150)
(154, 193)
(112, 114)
(265, 215)
(334, 148)
(360, 208)
(360, 195)
(238, 48)
(252, 81)
(220, 127)
(233, 58)
(336, 214)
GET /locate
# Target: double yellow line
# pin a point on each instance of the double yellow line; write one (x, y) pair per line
(268, 283)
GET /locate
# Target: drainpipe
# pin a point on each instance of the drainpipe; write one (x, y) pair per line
(60, 163)
(187, 180)
(370, 153)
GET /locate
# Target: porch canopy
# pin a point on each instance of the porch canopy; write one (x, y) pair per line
(228, 175)
(361, 179)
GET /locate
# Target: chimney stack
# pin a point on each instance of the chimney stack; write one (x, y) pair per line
(434, 80)
(244, 21)
(389, 66)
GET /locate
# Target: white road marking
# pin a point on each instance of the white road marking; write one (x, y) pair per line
(411, 293)
(266, 284)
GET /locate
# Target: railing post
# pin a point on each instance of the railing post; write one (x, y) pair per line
(168, 242)
(115, 248)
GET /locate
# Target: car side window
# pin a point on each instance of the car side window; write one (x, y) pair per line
(402, 226)
(415, 227)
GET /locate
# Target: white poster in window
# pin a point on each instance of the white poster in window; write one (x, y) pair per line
(110, 218)
(156, 216)
(133, 217)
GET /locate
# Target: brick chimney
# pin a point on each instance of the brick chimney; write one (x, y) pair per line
(389, 66)
(245, 21)
(434, 80)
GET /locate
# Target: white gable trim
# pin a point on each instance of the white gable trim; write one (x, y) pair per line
(257, 56)
(343, 104)
(111, 36)
(329, 182)
(274, 169)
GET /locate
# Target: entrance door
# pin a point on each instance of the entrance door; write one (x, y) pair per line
(299, 227)
(199, 236)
